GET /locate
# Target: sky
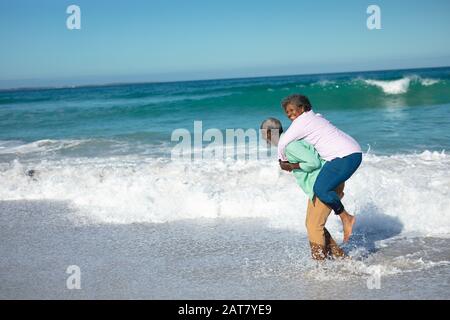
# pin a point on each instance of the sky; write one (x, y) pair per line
(169, 40)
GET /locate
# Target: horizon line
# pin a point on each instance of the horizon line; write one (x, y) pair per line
(111, 84)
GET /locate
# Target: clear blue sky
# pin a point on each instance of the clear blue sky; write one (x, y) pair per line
(160, 40)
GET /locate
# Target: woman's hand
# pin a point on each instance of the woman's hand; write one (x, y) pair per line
(287, 166)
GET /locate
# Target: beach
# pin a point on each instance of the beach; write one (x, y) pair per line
(211, 259)
(88, 180)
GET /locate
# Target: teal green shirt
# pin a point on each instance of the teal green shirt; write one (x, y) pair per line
(310, 164)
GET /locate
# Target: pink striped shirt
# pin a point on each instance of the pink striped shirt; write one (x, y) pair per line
(329, 141)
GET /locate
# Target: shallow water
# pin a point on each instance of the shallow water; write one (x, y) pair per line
(207, 259)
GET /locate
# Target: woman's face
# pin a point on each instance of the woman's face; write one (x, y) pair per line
(293, 111)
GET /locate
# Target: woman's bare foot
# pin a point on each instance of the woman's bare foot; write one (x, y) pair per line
(347, 223)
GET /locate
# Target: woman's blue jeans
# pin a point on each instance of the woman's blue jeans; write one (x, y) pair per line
(333, 173)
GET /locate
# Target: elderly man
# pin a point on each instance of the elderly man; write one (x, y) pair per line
(304, 162)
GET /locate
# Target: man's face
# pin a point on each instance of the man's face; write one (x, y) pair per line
(271, 136)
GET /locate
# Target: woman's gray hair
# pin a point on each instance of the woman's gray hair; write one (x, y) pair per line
(297, 100)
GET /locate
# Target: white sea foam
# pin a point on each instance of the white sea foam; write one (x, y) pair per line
(428, 82)
(400, 86)
(391, 87)
(324, 83)
(46, 145)
(392, 194)
(388, 266)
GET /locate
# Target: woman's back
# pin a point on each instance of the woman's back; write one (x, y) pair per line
(329, 141)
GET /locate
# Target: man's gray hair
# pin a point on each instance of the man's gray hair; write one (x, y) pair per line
(272, 124)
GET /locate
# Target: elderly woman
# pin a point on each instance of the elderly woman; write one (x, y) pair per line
(305, 164)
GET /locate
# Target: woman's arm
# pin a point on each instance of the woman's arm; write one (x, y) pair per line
(304, 156)
(287, 166)
(295, 132)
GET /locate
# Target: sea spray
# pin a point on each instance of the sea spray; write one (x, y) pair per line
(408, 191)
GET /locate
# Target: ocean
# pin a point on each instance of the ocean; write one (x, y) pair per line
(88, 178)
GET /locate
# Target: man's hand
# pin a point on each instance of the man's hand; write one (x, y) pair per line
(285, 165)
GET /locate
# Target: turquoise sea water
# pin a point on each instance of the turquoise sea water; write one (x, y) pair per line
(390, 111)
